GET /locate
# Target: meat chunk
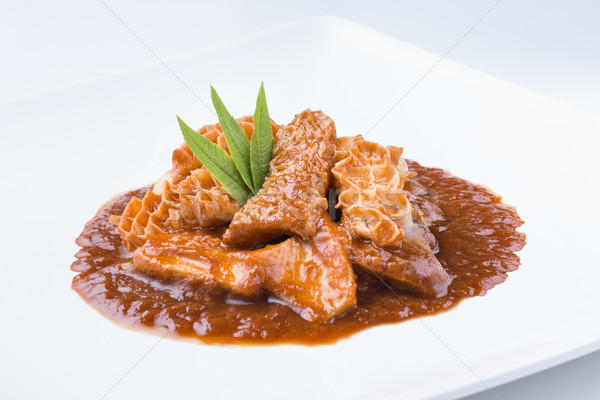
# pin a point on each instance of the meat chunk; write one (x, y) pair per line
(314, 277)
(375, 207)
(413, 265)
(198, 259)
(198, 201)
(141, 219)
(369, 178)
(291, 200)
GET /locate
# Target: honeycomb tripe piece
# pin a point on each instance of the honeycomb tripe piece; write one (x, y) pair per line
(385, 234)
(369, 178)
(292, 198)
(198, 201)
(314, 277)
(185, 197)
(141, 220)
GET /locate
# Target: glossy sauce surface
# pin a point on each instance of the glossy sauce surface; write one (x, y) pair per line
(477, 240)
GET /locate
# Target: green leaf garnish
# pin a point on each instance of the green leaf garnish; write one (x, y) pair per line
(216, 160)
(261, 142)
(237, 141)
(243, 172)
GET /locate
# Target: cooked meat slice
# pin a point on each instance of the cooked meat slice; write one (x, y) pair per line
(197, 257)
(186, 197)
(413, 266)
(375, 207)
(315, 278)
(291, 200)
(168, 263)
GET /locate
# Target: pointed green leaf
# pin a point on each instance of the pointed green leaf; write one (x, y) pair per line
(237, 141)
(261, 142)
(216, 160)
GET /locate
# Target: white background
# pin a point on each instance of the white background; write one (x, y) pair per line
(548, 46)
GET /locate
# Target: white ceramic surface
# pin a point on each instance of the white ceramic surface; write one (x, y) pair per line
(64, 153)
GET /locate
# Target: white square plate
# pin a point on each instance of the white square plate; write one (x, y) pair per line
(66, 152)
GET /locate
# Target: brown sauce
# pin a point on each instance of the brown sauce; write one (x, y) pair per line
(477, 240)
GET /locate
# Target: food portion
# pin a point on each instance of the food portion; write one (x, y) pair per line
(310, 268)
(261, 232)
